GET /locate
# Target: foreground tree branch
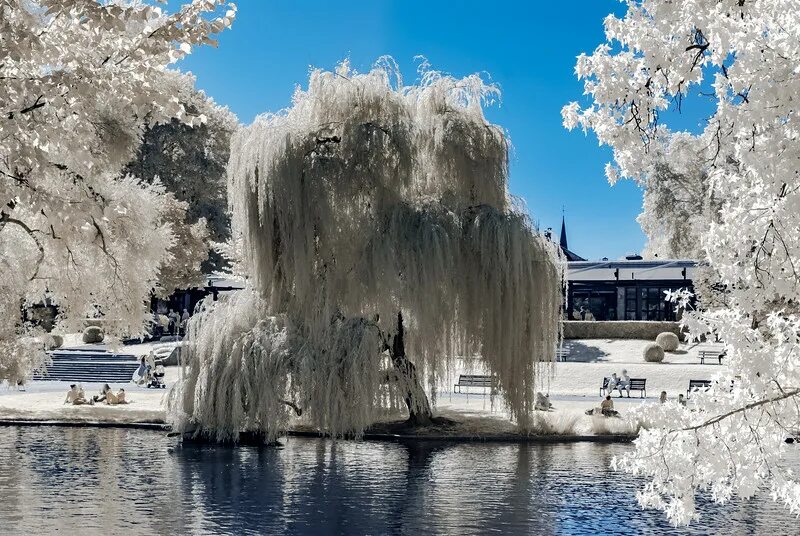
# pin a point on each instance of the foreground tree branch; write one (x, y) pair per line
(789, 394)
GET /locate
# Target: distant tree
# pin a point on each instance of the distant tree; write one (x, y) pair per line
(181, 268)
(381, 246)
(190, 160)
(679, 201)
(739, 198)
(80, 80)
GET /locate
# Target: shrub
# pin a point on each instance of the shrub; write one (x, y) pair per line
(653, 353)
(668, 341)
(52, 342)
(555, 424)
(93, 334)
(610, 426)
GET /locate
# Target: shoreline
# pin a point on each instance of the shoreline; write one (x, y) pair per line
(367, 436)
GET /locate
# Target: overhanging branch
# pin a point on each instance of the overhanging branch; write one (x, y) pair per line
(718, 418)
(5, 218)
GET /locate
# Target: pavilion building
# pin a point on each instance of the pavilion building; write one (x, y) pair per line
(627, 289)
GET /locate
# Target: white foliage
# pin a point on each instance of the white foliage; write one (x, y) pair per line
(738, 206)
(236, 370)
(368, 198)
(80, 80)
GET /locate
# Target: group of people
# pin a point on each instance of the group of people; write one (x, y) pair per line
(173, 323)
(141, 376)
(76, 396)
(584, 313)
(619, 383)
(607, 405)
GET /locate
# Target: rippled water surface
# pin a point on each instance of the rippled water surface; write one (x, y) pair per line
(87, 480)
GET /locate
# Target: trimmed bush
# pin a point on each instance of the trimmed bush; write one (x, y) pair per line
(93, 334)
(653, 353)
(668, 341)
(618, 329)
(52, 342)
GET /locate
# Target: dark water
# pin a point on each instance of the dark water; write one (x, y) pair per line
(114, 481)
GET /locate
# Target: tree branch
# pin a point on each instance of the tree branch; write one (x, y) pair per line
(718, 418)
(5, 218)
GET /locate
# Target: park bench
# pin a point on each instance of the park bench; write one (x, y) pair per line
(637, 384)
(563, 351)
(473, 380)
(696, 385)
(711, 353)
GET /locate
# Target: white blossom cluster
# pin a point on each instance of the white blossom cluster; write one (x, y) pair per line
(735, 193)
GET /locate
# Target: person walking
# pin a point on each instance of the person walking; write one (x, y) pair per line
(184, 321)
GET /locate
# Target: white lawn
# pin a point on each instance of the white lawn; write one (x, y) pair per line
(573, 386)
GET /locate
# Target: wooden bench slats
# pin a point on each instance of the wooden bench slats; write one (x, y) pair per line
(696, 385)
(636, 384)
(711, 354)
(473, 380)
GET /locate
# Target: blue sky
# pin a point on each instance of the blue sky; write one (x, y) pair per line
(528, 48)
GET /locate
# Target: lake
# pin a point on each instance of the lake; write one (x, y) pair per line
(125, 481)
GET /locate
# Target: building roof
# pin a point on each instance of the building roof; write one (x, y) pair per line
(626, 270)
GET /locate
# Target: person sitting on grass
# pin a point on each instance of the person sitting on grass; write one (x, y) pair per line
(116, 399)
(542, 402)
(663, 398)
(681, 399)
(102, 396)
(607, 407)
(76, 397)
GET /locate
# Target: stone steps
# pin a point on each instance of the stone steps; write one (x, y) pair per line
(93, 366)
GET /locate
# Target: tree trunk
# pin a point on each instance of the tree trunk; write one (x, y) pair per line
(419, 409)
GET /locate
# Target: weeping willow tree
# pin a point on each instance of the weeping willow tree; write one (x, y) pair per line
(381, 246)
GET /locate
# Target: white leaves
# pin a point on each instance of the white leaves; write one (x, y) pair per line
(729, 194)
(78, 86)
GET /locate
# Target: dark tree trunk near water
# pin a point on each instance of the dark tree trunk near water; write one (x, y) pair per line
(419, 409)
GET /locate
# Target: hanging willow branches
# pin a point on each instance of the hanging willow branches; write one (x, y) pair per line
(381, 247)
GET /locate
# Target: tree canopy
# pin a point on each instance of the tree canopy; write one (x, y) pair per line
(735, 186)
(81, 80)
(381, 246)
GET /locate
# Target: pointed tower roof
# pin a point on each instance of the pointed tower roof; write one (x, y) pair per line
(563, 242)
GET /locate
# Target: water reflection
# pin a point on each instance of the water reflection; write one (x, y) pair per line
(100, 480)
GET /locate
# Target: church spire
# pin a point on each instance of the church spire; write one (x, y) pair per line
(563, 240)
